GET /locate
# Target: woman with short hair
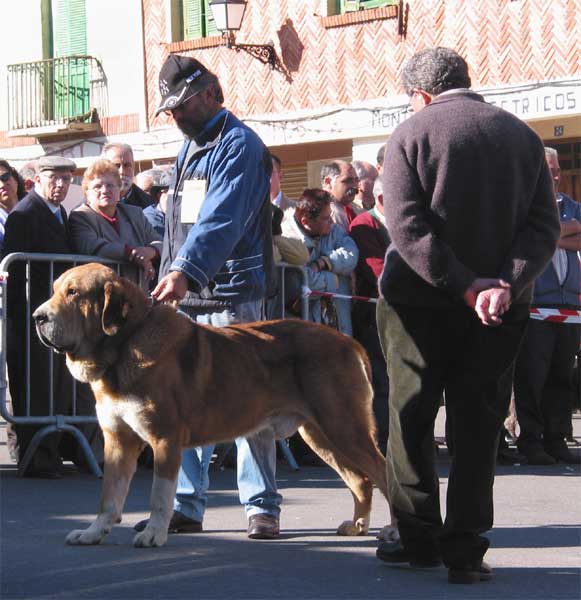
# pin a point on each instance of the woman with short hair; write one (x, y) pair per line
(103, 227)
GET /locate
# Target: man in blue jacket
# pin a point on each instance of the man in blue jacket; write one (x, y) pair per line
(543, 383)
(217, 262)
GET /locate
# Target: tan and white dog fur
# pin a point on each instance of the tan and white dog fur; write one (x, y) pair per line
(162, 379)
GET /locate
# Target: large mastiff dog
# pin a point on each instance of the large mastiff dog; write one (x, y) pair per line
(160, 378)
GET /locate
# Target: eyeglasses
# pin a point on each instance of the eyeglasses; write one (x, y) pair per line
(54, 177)
(98, 187)
(5, 176)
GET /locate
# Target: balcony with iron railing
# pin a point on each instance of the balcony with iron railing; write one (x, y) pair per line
(56, 96)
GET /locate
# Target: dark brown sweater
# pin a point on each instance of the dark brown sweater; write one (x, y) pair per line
(467, 194)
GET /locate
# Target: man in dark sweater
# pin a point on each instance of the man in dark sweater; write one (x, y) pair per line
(471, 213)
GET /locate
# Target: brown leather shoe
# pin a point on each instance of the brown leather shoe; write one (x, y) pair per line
(263, 527)
(178, 523)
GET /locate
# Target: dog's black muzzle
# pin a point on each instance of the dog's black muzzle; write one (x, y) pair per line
(45, 329)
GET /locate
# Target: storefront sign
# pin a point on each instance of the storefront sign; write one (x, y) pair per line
(381, 117)
(550, 101)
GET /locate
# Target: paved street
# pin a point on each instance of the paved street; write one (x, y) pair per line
(535, 544)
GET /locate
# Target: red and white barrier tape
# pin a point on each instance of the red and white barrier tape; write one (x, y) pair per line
(552, 315)
(308, 292)
(556, 315)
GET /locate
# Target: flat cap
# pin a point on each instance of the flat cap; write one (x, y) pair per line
(55, 163)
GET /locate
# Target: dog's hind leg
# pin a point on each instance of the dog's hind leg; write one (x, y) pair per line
(167, 459)
(358, 483)
(122, 448)
(343, 413)
(353, 453)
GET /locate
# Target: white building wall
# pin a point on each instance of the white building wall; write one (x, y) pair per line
(20, 41)
(114, 36)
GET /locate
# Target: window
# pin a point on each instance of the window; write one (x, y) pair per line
(66, 78)
(339, 7)
(192, 19)
(64, 28)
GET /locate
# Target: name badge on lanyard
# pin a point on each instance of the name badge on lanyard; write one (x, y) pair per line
(193, 194)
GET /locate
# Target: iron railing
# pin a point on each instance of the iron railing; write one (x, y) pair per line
(56, 91)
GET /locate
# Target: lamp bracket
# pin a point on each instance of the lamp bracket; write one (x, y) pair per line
(265, 53)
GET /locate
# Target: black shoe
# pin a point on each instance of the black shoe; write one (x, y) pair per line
(44, 467)
(506, 456)
(468, 575)
(394, 553)
(561, 453)
(43, 474)
(178, 523)
(536, 455)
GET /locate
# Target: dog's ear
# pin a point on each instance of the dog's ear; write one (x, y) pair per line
(115, 307)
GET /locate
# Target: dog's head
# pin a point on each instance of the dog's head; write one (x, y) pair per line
(90, 305)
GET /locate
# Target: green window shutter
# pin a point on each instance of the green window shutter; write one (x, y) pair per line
(192, 19)
(209, 25)
(68, 80)
(334, 7)
(375, 3)
(69, 27)
(350, 5)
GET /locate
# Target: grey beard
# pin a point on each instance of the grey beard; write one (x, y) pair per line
(126, 183)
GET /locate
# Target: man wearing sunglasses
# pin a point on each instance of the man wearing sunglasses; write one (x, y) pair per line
(217, 262)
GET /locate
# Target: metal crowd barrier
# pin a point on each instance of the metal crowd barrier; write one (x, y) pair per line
(304, 300)
(51, 422)
(69, 423)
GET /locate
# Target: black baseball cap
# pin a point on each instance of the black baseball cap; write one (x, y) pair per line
(178, 79)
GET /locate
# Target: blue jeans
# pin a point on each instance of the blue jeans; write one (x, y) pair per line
(256, 453)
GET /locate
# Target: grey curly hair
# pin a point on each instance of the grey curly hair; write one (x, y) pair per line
(435, 70)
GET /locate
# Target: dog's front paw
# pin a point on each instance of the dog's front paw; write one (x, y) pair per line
(359, 527)
(150, 537)
(85, 537)
(389, 533)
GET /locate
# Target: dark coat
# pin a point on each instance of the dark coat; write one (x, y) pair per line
(548, 291)
(467, 194)
(32, 227)
(137, 197)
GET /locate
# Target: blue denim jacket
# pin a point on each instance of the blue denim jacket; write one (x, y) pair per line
(548, 291)
(229, 248)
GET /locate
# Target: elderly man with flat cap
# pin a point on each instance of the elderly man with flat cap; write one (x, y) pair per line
(38, 223)
(217, 262)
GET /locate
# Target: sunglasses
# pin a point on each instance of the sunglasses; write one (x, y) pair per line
(5, 176)
(169, 111)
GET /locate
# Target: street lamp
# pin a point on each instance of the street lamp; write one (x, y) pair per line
(228, 15)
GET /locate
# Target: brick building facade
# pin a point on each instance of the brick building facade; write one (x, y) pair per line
(334, 90)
